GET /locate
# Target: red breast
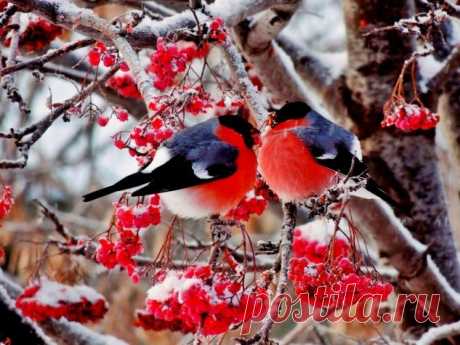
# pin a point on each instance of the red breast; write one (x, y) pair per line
(224, 194)
(288, 166)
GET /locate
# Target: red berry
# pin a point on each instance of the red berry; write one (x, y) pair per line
(94, 57)
(102, 120)
(157, 123)
(101, 47)
(109, 60)
(124, 67)
(122, 115)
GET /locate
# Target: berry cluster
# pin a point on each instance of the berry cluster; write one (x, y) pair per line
(45, 300)
(6, 201)
(255, 202)
(124, 84)
(38, 35)
(120, 113)
(129, 220)
(108, 57)
(144, 139)
(217, 31)
(408, 117)
(196, 300)
(168, 60)
(323, 273)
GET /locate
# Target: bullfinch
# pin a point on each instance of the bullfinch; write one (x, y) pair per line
(303, 154)
(202, 170)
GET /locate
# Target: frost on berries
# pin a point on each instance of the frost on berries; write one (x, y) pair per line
(37, 35)
(101, 53)
(196, 300)
(322, 269)
(408, 117)
(255, 202)
(45, 299)
(6, 201)
(124, 84)
(129, 221)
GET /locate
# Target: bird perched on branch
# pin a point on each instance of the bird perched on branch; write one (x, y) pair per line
(203, 170)
(303, 154)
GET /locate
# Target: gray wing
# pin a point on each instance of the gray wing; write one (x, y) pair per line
(332, 145)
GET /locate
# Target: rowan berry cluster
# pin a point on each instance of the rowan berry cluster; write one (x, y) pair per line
(323, 272)
(124, 84)
(144, 139)
(129, 221)
(255, 202)
(196, 300)
(108, 57)
(408, 117)
(46, 299)
(37, 35)
(120, 113)
(6, 201)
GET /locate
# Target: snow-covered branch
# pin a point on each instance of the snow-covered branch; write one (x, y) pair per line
(67, 14)
(255, 37)
(65, 332)
(417, 270)
(20, 330)
(439, 333)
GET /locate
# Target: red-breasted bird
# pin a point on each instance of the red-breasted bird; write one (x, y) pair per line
(303, 154)
(202, 170)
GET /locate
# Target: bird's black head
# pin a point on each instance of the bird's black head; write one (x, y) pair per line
(240, 125)
(290, 111)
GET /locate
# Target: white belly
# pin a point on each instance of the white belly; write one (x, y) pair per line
(184, 203)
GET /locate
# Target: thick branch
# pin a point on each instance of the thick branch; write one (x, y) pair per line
(255, 38)
(67, 14)
(439, 333)
(409, 173)
(248, 90)
(417, 270)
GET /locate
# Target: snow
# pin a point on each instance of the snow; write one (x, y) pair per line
(418, 246)
(4, 296)
(85, 336)
(428, 68)
(449, 294)
(52, 293)
(322, 229)
(438, 333)
(172, 283)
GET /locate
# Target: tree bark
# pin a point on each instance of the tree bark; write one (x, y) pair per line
(406, 163)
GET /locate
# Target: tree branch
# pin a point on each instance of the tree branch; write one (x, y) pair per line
(255, 38)
(417, 271)
(67, 14)
(67, 332)
(439, 333)
(35, 132)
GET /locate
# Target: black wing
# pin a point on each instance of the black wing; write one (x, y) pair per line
(207, 162)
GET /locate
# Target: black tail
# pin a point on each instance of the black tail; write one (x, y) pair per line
(374, 188)
(130, 181)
